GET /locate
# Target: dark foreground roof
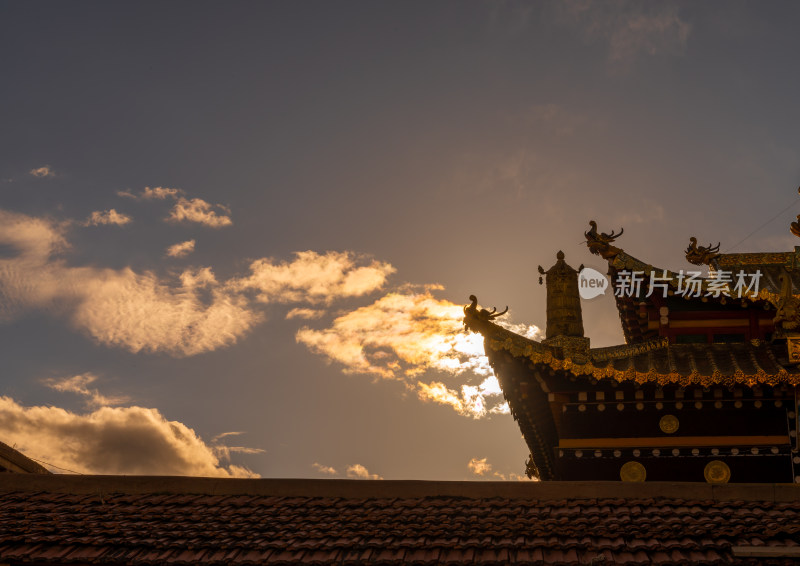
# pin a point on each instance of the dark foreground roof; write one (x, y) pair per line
(150, 520)
(15, 462)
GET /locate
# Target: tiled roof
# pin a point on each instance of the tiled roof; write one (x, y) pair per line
(97, 520)
(657, 361)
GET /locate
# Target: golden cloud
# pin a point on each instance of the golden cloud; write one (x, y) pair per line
(359, 472)
(151, 193)
(199, 211)
(107, 217)
(183, 316)
(313, 277)
(181, 249)
(404, 334)
(43, 171)
(111, 440)
(79, 384)
(305, 313)
(481, 467)
(327, 470)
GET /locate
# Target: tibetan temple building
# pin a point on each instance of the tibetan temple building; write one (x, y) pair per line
(704, 389)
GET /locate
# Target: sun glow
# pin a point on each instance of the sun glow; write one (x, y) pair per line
(403, 335)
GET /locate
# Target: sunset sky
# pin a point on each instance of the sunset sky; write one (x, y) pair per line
(236, 238)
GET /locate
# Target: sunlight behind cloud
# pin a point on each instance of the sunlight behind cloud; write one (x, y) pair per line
(405, 334)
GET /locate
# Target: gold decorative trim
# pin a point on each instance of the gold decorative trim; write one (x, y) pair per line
(537, 354)
(632, 472)
(669, 424)
(717, 471)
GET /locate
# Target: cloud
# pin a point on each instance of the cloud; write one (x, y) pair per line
(404, 334)
(111, 440)
(141, 313)
(111, 216)
(471, 401)
(327, 470)
(181, 249)
(154, 193)
(136, 311)
(222, 435)
(313, 277)
(79, 384)
(481, 467)
(185, 209)
(359, 472)
(305, 313)
(200, 211)
(181, 315)
(43, 171)
(630, 29)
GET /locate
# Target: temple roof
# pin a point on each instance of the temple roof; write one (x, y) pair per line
(152, 520)
(657, 361)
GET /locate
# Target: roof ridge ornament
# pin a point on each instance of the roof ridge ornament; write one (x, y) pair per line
(600, 243)
(701, 255)
(471, 313)
(794, 227)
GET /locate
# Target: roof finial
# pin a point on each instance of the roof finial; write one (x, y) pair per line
(701, 255)
(600, 243)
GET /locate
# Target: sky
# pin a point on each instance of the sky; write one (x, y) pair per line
(236, 238)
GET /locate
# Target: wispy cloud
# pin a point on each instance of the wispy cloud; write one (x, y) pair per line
(327, 470)
(313, 277)
(305, 313)
(144, 312)
(42, 172)
(137, 311)
(151, 193)
(181, 249)
(111, 440)
(192, 210)
(80, 384)
(105, 217)
(199, 211)
(359, 472)
(630, 29)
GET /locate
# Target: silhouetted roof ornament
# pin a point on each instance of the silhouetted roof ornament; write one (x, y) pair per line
(701, 255)
(600, 243)
(471, 313)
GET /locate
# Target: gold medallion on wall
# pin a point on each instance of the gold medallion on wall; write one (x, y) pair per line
(669, 424)
(632, 472)
(717, 471)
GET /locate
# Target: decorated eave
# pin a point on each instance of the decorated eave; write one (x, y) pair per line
(534, 374)
(656, 362)
(776, 273)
